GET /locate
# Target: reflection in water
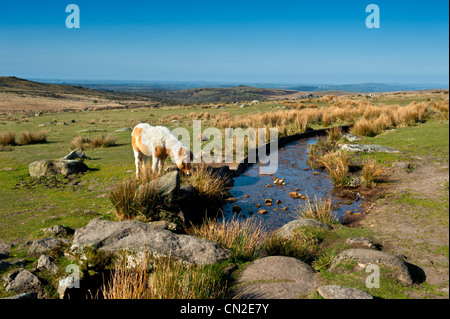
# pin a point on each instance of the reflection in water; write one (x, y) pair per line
(250, 188)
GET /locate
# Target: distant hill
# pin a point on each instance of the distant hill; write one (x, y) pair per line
(212, 95)
(156, 94)
(96, 95)
(138, 87)
(12, 84)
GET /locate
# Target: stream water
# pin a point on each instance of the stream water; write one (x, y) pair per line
(250, 188)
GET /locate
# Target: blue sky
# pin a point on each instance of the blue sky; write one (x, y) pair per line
(231, 41)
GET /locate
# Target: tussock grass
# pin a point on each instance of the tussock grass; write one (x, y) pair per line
(87, 142)
(442, 107)
(365, 127)
(318, 209)
(318, 150)
(334, 134)
(291, 247)
(244, 238)
(210, 185)
(136, 199)
(295, 246)
(337, 165)
(372, 172)
(167, 279)
(29, 137)
(8, 138)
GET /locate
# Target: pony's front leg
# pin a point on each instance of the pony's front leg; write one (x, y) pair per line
(155, 164)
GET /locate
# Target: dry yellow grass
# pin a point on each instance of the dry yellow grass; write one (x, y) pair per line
(243, 237)
(86, 142)
(209, 185)
(8, 138)
(337, 165)
(28, 137)
(372, 172)
(167, 279)
(334, 134)
(318, 209)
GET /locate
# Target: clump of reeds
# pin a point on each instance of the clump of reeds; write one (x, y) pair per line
(87, 142)
(168, 279)
(442, 107)
(318, 209)
(245, 238)
(318, 150)
(134, 198)
(8, 138)
(28, 137)
(334, 134)
(372, 172)
(337, 165)
(294, 246)
(211, 186)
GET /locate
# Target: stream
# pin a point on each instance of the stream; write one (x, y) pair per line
(250, 188)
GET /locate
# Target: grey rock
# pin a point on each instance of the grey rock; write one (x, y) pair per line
(339, 292)
(44, 245)
(125, 129)
(75, 154)
(45, 262)
(365, 257)
(368, 148)
(51, 168)
(287, 230)
(57, 230)
(29, 295)
(168, 185)
(5, 250)
(351, 137)
(71, 167)
(361, 242)
(23, 281)
(139, 236)
(355, 182)
(276, 277)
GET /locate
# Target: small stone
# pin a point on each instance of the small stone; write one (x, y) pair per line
(258, 205)
(57, 230)
(268, 185)
(278, 201)
(45, 262)
(231, 200)
(262, 211)
(284, 209)
(246, 196)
